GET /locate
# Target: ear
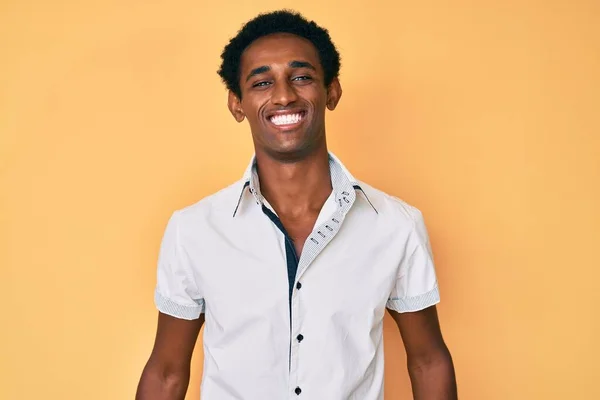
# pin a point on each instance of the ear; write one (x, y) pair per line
(235, 106)
(334, 93)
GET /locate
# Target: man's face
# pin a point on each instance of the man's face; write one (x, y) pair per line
(284, 96)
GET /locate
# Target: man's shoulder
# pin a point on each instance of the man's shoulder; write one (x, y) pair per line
(389, 205)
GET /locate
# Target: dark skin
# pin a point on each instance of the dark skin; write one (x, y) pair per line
(167, 373)
(281, 77)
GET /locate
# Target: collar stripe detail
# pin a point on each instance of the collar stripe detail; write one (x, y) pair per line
(341, 181)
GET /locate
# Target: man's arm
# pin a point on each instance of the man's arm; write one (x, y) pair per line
(167, 373)
(429, 362)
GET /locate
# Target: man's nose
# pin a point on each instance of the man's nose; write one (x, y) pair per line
(283, 94)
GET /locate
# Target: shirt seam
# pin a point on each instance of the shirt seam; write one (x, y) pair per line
(167, 298)
(408, 298)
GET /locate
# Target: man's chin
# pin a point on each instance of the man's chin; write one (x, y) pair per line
(291, 152)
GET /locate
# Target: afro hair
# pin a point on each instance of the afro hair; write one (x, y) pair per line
(283, 21)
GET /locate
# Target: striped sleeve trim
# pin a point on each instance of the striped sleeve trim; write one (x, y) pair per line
(416, 303)
(169, 307)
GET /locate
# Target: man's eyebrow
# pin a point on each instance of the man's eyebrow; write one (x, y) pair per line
(301, 64)
(292, 64)
(257, 71)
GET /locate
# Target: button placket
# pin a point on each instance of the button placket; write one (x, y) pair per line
(318, 240)
(295, 345)
(327, 231)
(345, 196)
(324, 234)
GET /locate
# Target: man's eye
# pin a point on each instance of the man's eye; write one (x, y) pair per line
(262, 83)
(302, 78)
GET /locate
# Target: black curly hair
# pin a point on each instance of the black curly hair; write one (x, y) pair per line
(282, 21)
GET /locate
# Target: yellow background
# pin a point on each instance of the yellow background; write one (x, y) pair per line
(484, 114)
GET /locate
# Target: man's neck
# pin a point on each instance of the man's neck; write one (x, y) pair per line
(298, 188)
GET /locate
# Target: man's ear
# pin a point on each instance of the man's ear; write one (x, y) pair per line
(334, 93)
(235, 107)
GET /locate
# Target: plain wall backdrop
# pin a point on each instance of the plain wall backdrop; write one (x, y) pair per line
(483, 114)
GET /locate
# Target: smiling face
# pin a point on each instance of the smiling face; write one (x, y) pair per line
(284, 96)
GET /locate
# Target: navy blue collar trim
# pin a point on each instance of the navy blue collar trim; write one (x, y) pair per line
(357, 187)
(246, 184)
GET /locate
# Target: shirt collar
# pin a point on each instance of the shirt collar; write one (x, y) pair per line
(344, 184)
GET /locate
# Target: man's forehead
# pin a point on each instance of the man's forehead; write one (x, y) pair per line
(280, 48)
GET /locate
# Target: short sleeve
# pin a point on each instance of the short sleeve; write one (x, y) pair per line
(177, 292)
(416, 285)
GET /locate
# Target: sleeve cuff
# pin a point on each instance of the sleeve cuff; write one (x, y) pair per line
(169, 307)
(416, 303)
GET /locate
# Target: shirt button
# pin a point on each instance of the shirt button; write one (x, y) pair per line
(300, 337)
(298, 390)
(298, 285)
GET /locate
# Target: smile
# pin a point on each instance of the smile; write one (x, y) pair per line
(287, 119)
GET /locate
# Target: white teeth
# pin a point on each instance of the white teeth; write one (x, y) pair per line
(286, 119)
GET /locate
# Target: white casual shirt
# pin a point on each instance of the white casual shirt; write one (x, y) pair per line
(277, 327)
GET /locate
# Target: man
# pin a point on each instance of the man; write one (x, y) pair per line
(293, 266)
